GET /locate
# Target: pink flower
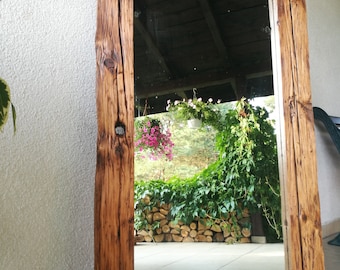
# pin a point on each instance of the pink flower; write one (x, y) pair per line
(152, 139)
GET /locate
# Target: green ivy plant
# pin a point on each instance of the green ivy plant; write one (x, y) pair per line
(147, 195)
(6, 105)
(248, 162)
(245, 175)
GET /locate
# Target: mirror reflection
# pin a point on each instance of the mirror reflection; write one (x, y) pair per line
(213, 57)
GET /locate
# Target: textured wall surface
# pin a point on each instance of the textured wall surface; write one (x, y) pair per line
(47, 169)
(324, 36)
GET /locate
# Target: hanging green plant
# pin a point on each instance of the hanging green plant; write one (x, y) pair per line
(6, 104)
(196, 108)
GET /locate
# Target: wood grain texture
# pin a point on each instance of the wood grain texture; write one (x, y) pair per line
(113, 227)
(114, 175)
(297, 147)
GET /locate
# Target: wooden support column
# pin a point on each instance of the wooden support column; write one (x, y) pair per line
(113, 226)
(296, 140)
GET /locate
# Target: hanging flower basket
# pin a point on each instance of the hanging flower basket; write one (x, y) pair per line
(152, 139)
(194, 123)
(195, 110)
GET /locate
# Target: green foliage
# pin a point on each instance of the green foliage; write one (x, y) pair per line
(6, 104)
(147, 194)
(247, 147)
(244, 175)
(153, 139)
(248, 162)
(193, 151)
(196, 108)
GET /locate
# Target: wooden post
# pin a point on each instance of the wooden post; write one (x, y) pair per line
(113, 226)
(114, 175)
(296, 143)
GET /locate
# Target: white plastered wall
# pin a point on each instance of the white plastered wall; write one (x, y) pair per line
(47, 169)
(324, 40)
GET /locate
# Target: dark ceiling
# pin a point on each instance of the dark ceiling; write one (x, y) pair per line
(221, 48)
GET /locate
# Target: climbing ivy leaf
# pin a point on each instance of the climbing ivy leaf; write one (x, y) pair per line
(5, 105)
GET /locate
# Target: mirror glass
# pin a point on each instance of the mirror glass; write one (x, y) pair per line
(217, 49)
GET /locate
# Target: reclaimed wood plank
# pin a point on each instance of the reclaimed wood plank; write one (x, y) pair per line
(113, 227)
(296, 142)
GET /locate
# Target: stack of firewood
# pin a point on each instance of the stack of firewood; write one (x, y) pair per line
(233, 228)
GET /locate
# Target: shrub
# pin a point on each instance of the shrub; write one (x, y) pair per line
(245, 175)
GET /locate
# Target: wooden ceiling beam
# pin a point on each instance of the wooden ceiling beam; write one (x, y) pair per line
(152, 46)
(185, 84)
(180, 85)
(210, 19)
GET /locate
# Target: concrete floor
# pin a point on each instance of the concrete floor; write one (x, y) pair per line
(208, 256)
(213, 256)
(332, 254)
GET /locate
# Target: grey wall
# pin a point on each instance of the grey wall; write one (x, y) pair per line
(324, 40)
(47, 169)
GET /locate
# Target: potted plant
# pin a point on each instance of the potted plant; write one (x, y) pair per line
(195, 111)
(6, 104)
(153, 139)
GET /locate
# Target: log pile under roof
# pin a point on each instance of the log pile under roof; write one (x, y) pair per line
(230, 229)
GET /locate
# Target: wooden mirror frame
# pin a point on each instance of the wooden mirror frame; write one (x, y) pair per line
(114, 181)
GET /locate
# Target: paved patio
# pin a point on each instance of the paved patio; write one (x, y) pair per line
(208, 256)
(213, 256)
